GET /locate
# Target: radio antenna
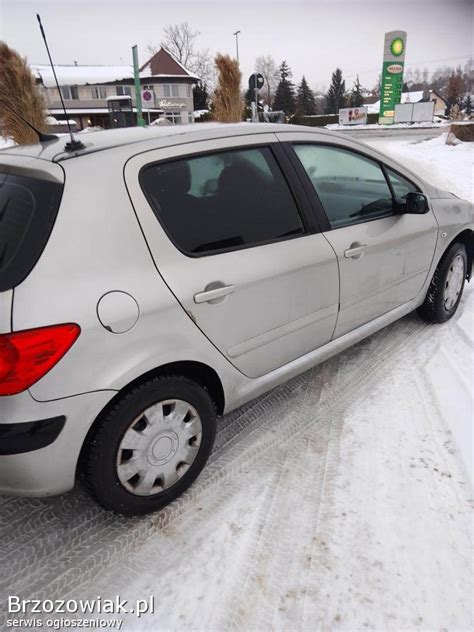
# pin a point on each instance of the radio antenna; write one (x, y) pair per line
(73, 144)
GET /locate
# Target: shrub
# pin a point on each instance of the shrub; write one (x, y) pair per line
(326, 119)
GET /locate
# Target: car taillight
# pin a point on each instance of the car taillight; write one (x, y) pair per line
(25, 356)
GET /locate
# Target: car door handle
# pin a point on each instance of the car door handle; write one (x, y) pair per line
(214, 295)
(356, 251)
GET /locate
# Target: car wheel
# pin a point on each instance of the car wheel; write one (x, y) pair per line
(445, 291)
(151, 446)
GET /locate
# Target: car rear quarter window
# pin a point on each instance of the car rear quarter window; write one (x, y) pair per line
(28, 209)
(223, 200)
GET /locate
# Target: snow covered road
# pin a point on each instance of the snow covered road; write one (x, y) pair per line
(339, 501)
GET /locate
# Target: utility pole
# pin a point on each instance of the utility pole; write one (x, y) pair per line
(236, 34)
(138, 94)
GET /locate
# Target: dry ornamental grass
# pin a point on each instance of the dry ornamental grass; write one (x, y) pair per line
(227, 103)
(19, 93)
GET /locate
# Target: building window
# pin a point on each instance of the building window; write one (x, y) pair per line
(124, 91)
(170, 90)
(69, 92)
(189, 90)
(173, 117)
(99, 92)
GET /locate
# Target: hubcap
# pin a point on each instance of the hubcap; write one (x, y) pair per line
(159, 447)
(454, 282)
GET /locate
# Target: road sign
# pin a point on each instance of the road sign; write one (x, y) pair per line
(256, 81)
(148, 97)
(392, 74)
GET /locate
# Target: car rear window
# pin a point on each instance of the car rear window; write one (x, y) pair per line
(28, 209)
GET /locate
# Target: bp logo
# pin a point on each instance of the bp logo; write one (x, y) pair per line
(397, 47)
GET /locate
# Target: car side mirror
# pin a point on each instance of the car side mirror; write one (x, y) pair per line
(416, 203)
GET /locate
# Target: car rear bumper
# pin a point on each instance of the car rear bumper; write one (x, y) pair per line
(29, 435)
(40, 442)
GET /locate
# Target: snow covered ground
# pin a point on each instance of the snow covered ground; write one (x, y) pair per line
(5, 142)
(339, 501)
(448, 167)
(376, 126)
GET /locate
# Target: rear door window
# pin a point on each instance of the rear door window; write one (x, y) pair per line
(221, 201)
(28, 209)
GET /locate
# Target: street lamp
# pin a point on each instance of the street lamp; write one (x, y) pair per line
(236, 34)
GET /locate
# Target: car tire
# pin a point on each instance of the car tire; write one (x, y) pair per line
(141, 431)
(445, 291)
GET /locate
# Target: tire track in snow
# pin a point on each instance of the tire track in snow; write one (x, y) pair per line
(96, 538)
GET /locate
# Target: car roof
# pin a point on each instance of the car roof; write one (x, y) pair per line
(107, 139)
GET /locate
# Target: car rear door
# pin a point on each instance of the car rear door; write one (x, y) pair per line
(231, 232)
(384, 255)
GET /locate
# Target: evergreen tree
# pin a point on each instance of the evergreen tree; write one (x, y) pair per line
(356, 95)
(305, 101)
(200, 96)
(468, 105)
(336, 96)
(285, 93)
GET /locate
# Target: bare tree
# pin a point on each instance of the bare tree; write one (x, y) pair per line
(202, 65)
(266, 66)
(180, 41)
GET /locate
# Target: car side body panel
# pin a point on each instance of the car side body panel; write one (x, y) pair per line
(391, 271)
(97, 248)
(285, 294)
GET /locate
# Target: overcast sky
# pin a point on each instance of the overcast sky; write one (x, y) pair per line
(313, 36)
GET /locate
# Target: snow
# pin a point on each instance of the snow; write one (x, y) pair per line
(6, 142)
(448, 167)
(339, 501)
(437, 123)
(52, 120)
(199, 113)
(116, 97)
(83, 75)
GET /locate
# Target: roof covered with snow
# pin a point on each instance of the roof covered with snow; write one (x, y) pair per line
(161, 65)
(81, 75)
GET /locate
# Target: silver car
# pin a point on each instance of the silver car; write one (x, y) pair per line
(161, 277)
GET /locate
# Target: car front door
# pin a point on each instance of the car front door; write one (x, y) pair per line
(226, 223)
(384, 254)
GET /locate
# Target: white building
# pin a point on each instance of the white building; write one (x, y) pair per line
(87, 90)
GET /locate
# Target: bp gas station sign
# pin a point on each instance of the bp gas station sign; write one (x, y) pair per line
(392, 74)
